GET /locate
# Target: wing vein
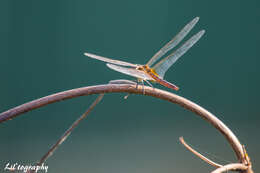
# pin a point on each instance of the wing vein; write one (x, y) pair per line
(174, 42)
(162, 66)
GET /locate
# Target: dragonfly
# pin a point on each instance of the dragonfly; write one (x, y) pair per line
(154, 70)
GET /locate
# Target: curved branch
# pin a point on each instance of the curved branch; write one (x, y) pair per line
(112, 88)
(231, 167)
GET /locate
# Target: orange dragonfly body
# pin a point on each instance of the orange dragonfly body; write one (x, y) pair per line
(156, 78)
(151, 72)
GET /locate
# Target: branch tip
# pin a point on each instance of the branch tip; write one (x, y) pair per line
(198, 154)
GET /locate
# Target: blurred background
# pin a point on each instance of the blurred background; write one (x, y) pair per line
(42, 45)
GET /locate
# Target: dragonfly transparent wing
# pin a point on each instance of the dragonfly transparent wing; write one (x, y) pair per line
(174, 42)
(162, 66)
(112, 61)
(130, 71)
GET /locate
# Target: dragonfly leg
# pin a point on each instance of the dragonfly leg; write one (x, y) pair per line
(143, 86)
(149, 83)
(136, 84)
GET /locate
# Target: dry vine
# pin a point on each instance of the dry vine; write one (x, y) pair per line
(243, 165)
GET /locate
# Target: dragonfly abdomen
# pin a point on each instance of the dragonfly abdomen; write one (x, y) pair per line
(163, 82)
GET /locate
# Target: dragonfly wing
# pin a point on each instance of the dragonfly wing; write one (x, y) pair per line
(162, 66)
(130, 71)
(174, 42)
(112, 61)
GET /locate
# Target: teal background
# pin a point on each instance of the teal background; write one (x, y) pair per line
(42, 45)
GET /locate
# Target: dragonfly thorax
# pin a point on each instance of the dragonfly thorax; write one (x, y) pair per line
(147, 69)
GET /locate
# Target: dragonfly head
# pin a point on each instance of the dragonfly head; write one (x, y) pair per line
(143, 68)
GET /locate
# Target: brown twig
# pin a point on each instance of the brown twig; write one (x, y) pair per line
(68, 131)
(199, 155)
(111, 88)
(221, 168)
